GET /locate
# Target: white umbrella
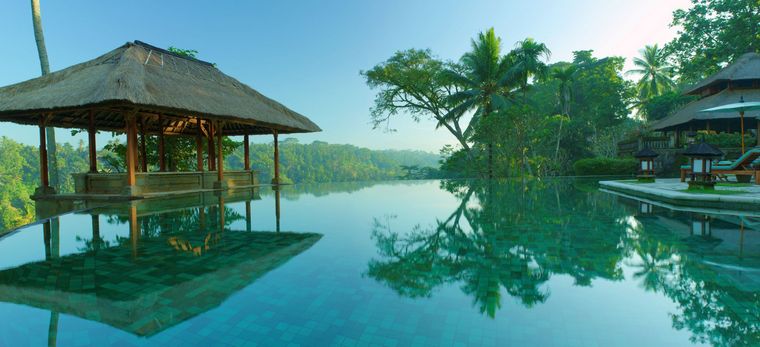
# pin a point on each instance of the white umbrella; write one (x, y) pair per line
(741, 107)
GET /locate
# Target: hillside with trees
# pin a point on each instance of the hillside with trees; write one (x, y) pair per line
(300, 163)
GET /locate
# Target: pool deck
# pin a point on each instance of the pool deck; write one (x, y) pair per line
(673, 191)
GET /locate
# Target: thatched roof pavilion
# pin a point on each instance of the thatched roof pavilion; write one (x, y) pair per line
(729, 85)
(166, 93)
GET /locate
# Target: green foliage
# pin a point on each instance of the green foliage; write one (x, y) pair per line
(323, 162)
(663, 105)
(190, 53)
(728, 140)
(413, 82)
(656, 74)
(713, 33)
(605, 166)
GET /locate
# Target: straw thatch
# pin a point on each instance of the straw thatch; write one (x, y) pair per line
(689, 115)
(151, 82)
(746, 68)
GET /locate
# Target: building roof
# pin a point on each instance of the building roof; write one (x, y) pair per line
(747, 67)
(646, 153)
(691, 112)
(138, 77)
(702, 149)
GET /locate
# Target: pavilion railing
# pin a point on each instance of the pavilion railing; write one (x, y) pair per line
(628, 147)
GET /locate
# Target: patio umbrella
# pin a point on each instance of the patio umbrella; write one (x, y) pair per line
(740, 107)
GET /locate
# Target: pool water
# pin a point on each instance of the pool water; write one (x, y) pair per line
(439, 263)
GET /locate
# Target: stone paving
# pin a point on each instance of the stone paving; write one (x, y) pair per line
(674, 191)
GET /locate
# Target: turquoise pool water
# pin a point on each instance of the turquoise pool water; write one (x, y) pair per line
(553, 262)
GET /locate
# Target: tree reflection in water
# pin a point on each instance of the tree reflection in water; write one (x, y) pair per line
(512, 236)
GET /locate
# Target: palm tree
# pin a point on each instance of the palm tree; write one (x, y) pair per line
(484, 81)
(656, 73)
(527, 61)
(45, 67)
(565, 75)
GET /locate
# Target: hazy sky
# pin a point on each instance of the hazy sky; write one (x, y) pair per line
(308, 54)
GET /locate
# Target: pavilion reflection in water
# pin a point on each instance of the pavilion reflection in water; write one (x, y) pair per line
(176, 263)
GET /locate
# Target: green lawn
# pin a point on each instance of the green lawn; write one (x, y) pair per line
(733, 184)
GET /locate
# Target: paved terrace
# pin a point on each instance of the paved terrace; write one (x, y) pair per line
(729, 195)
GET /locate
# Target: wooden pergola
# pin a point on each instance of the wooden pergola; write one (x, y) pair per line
(142, 90)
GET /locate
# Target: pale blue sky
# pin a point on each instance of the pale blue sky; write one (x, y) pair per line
(308, 54)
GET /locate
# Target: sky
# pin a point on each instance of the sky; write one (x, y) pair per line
(308, 54)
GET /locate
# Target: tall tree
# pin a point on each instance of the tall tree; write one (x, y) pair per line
(656, 74)
(713, 33)
(39, 37)
(565, 75)
(412, 82)
(527, 62)
(485, 82)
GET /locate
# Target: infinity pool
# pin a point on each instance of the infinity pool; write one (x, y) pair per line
(553, 262)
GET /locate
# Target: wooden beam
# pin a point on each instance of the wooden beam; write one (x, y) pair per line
(211, 148)
(44, 180)
(276, 178)
(131, 129)
(220, 153)
(161, 146)
(91, 138)
(143, 152)
(199, 145)
(246, 154)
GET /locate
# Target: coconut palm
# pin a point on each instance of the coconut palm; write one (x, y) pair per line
(565, 75)
(527, 62)
(656, 74)
(484, 81)
(45, 67)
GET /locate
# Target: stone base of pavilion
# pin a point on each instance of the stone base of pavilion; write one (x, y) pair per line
(161, 182)
(673, 191)
(114, 187)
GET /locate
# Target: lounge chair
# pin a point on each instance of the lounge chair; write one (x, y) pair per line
(747, 164)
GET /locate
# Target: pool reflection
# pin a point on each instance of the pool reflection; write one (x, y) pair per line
(512, 237)
(173, 264)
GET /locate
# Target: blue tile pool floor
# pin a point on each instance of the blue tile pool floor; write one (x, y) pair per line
(423, 263)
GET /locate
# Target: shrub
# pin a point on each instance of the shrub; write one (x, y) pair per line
(605, 166)
(728, 140)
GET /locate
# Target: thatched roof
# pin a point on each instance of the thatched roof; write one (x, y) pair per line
(690, 115)
(646, 153)
(152, 81)
(702, 149)
(747, 67)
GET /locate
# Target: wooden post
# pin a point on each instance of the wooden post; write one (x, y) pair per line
(741, 116)
(143, 152)
(248, 215)
(276, 178)
(93, 150)
(277, 208)
(131, 149)
(246, 154)
(161, 146)
(95, 232)
(211, 148)
(199, 145)
(219, 154)
(44, 180)
(134, 229)
(221, 213)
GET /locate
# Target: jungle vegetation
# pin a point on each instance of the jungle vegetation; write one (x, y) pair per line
(512, 113)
